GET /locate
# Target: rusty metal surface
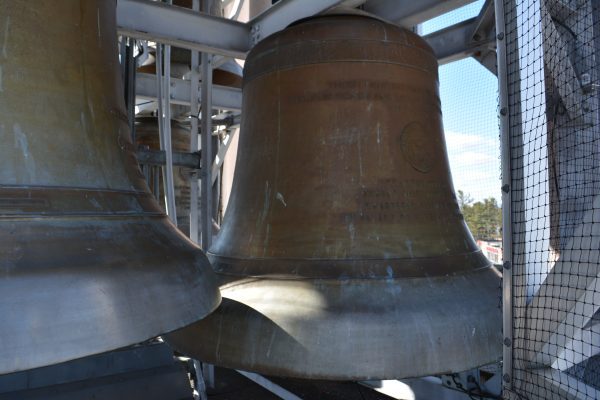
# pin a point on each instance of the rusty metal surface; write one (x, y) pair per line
(343, 254)
(88, 261)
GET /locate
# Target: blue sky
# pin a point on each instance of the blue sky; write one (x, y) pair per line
(468, 94)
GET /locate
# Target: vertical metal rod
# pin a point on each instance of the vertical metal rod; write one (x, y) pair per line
(123, 56)
(164, 126)
(169, 182)
(507, 254)
(207, 154)
(146, 172)
(194, 111)
(206, 206)
(201, 385)
(208, 372)
(156, 171)
(130, 70)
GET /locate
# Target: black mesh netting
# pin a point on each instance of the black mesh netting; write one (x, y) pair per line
(553, 94)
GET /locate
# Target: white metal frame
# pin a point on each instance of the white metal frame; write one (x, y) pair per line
(547, 343)
(144, 19)
(507, 238)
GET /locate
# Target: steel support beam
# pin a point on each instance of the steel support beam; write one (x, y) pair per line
(269, 385)
(159, 157)
(194, 130)
(456, 42)
(485, 26)
(163, 83)
(562, 71)
(185, 28)
(206, 200)
(224, 97)
(507, 198)
(411, 13)
(182, 27)
(285, 12)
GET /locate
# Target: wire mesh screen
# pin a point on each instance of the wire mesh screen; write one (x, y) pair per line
(552, 56)
(470, 109)
(471, 132)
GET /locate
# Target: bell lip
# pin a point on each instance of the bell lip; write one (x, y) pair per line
(99, 305)
(351, 268)
(379, 352)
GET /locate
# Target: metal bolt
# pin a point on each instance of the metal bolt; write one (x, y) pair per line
(506, 265)
(503, 111)
(586, 79)
(506, 378)
(505, 188)
(507, 342)
(500, 36)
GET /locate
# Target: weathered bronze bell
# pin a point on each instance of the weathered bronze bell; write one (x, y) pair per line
(343, 253)
(88, 261)
(147, 137)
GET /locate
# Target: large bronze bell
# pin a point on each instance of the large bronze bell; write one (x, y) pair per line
(88, 261)
(147, 137)
(343, 254)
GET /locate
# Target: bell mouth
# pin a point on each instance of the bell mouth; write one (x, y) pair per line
(351, 329)
(359, 268)
(77, 286)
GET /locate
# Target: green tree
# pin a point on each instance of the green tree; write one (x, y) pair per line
(484, 219)
(464, 199)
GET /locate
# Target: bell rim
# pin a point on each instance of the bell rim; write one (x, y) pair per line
(370, 345)
(70, 306)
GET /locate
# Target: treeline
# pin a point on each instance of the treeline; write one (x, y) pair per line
(484, 218)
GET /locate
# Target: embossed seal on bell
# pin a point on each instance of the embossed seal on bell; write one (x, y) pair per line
(416, 147)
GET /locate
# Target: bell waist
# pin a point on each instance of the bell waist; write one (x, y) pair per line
(363, 268)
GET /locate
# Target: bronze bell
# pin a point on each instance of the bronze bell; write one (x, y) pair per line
(147, 137)
(343, 254)
(88, 261)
